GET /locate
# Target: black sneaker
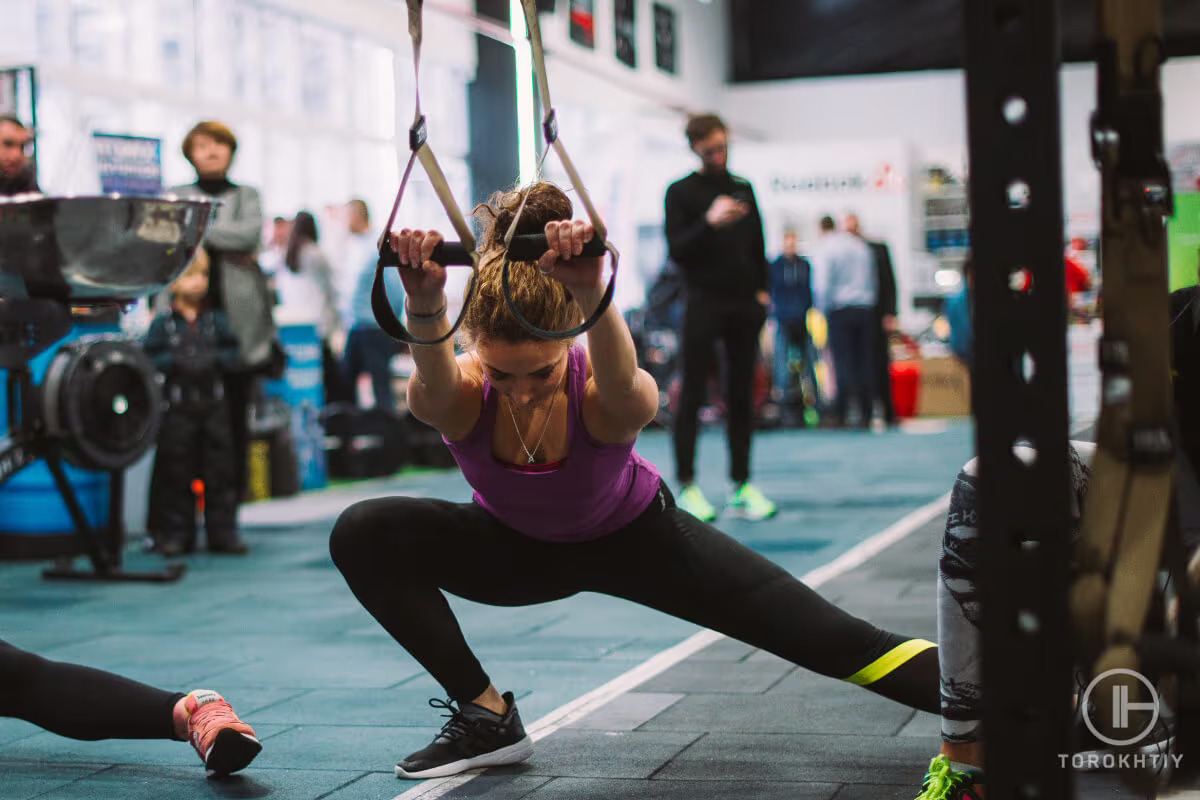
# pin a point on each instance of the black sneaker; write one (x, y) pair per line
(474, 737)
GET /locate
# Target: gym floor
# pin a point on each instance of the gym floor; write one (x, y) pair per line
(336, 702)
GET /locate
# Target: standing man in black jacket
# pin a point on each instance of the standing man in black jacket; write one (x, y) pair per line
(714, 233)
(885, 308)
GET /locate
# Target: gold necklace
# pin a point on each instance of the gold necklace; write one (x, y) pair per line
(545, 425)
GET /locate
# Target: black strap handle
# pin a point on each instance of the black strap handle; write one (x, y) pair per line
(527, 247)
(381, 307)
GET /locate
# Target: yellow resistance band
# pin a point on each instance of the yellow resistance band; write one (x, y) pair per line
(889, 661)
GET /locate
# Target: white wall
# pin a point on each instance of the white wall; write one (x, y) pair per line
(624, 127)
(866, 177)
(929, 111)
(597, 78)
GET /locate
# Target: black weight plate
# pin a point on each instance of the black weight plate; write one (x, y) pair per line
(103, 402)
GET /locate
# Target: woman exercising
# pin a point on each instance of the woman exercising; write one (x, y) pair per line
(544, 431)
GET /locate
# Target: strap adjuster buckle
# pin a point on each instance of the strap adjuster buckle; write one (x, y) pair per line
(417, 134)
(1150, 444)
(1114, 356)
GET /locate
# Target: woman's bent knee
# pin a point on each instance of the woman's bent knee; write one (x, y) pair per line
(354, 530)
(383, 529)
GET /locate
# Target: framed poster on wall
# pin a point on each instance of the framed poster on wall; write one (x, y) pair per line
(128, 164)
(664, 38)
(626, 34)
(583, 22)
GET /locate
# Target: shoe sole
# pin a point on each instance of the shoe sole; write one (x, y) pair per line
(232, 751)
(734, 511)
(513, 754)
(1161, 747)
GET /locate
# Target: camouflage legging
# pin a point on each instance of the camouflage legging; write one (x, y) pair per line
(959, 637)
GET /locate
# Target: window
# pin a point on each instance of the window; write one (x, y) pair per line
(18, 33)
(280, 62)
(315, 88)
(176, 45)
(376, 178)
(99, 36)
(229, 44)
(284, 187)
(245, 47)
(374, 89)
(330, 170)
(52, 25)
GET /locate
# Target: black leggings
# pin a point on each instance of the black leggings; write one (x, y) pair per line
(852, 339)
(736, 323)
(81, 702)
(399, 554)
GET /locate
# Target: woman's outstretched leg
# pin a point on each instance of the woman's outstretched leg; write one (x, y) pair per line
(90, 704)
(669, 560)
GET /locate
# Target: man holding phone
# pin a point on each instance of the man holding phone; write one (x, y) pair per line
(715, 235)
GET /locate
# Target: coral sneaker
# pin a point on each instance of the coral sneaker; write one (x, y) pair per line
(225, 743)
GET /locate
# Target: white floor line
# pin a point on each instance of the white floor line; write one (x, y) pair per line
(582, 706)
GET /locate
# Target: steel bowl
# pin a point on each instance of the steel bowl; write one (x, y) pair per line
(96, 250)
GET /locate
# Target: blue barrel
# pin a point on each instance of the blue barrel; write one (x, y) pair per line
(35, 522)
(303, 389)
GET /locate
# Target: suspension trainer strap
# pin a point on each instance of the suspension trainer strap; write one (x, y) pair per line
(420, 151)
(550, 132)
(1126, 512)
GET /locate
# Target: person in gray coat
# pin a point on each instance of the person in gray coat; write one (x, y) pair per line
(237, 284)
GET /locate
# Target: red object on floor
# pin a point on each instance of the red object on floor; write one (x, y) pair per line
(906, 381)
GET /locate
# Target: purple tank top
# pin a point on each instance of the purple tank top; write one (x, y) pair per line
(595, 490)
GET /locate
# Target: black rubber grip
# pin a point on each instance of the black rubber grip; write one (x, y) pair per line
(531, 246)
(528, 247)
(448, 254)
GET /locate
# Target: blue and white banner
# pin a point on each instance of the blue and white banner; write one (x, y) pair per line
(128, 164)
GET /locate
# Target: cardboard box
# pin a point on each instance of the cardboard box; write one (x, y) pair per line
(945, 388)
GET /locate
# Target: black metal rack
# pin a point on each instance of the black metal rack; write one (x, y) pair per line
(1020, 392)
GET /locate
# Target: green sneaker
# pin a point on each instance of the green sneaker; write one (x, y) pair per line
(943, 782)
(693, 501)
(748, 502)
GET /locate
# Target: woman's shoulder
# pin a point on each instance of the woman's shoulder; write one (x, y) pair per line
(580, 353)
(459, 420)
(472, 370)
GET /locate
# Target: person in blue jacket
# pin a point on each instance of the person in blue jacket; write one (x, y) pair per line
(959, 314)
(790, 280)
